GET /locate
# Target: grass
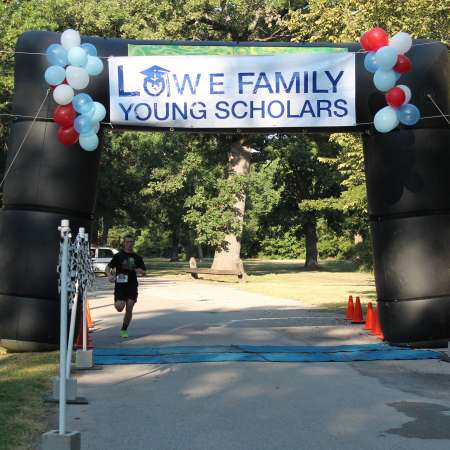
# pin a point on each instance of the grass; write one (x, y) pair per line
(328, 287)
(24, 379)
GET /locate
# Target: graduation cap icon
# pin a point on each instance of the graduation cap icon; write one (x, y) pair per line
(155, 81)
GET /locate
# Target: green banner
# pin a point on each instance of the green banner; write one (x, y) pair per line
(174, 50)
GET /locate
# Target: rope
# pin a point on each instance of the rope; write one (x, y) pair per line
(439, 109)
(107, 57)
(112, 125)
(24, 139)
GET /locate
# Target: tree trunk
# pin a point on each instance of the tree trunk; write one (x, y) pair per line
(175, 244)
(228, 257)
(105, 230)
(200, 252)
(94, 231)
(311, 245)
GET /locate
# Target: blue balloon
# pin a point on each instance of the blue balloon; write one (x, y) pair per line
(99, 112)
(385, 119)
(384, 80)
(386, 57)
(82, 103)
(57, 55)
(88, 142)
(408, 114)
(77, 56)
(89, 49)
(370, 63)
(83, 124)
(397, 75)
(55, 75)
(94, 65)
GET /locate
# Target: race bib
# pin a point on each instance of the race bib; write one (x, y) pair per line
(122, 278)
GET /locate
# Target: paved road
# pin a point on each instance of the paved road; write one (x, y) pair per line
(251, 406)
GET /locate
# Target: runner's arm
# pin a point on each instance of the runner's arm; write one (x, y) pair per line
(140, 269)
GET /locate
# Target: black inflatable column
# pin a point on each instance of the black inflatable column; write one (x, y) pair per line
(48, 182)
(409, 207)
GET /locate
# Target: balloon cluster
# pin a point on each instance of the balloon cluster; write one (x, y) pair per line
(72, 63)
(387, 61)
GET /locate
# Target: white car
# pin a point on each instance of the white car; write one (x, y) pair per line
(101, 256)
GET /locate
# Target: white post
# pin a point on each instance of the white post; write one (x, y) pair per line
(80, 238)
(84, 296)
(65, 235)
(73, 319)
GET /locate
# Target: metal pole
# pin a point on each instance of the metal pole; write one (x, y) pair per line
(65, 235)
(73, 318)
(83, 294)
(80, 237)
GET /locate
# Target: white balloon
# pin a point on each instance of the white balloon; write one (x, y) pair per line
(386, 119)
(63, 94)
(77, 77)
(401, 42)
(407, 92)
(70, 38)
(94, 65)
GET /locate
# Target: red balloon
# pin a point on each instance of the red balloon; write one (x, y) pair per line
(67, 135)
(364, 43)
(377, 38)
(395, 97)
(403, 64)
(64, 115)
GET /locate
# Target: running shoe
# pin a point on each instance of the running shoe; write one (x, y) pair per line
(123, 333)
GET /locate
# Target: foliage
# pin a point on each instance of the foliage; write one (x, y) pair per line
(282, 244)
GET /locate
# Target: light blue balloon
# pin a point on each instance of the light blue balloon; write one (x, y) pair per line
(89, 49)
(408, 114)
(77, 56)
(88, 142)
(94, 65)
(386, 57)
(384, 80)
(99, 113)
(370, 63)
(83, 124)
(82, 103)
(385, 119)
(57, 55)
(397, 75)
(96, 127)
(55, 75)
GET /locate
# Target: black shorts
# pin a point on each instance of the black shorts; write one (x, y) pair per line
(124, 292)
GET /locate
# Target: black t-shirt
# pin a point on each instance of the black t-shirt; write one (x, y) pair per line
(126, 265)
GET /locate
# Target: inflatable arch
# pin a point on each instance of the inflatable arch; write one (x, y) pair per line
(408, 187)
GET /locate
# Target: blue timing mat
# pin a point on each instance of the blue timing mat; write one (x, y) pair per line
(257, 353)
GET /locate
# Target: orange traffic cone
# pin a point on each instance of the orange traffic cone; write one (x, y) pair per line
(379, 333)
(357, 313)
(375, 323)
(79, 340)
(90, 323)
(350, 309)
(376, 330)
(369, 317)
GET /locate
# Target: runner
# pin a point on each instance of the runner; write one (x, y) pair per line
(123, 270)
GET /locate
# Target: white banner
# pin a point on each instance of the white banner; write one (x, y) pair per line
(279, 91)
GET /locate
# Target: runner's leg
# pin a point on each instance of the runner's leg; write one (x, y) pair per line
(128, 313)
(119, 305)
